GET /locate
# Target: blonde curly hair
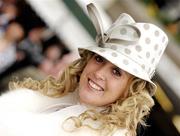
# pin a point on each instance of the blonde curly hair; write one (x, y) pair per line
(123, 113)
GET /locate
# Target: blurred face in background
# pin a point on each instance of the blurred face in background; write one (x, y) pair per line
(10, 10)
(36, 34)
(53, 52)
(102, 83)
(14, 32)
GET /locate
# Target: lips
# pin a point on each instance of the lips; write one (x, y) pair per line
(94, 85)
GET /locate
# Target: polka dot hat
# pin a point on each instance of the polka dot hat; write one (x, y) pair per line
(134, 47)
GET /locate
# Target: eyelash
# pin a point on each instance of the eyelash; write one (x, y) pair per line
(115, 71)
(99, 59)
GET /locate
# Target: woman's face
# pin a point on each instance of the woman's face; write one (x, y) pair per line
(102, 83)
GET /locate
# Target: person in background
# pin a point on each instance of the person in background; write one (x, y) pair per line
(30, 49)
(106, 92)
(64, 62)
(56, 60)
(8, 41)
(8, 13)
(52, 55)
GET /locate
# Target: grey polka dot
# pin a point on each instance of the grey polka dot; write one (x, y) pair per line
(160, 52)
(147, 40)
(146, 26)
(152, 61)
(114, 47)
(102, 50)
(149, 70)
(135, 70)
(156, 33)
(114, 54)
(138, 48)
(139, 57)
(135, 35)
(156, 47)
(125, 21)
(127, 51)
(125, 62)
(163, 39)
(123, 31)
(143, 66)
(147, 54)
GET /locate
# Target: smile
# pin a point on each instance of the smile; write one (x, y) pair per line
(95, 86)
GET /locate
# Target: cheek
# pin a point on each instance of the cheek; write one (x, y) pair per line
(83, 79)
(118, 89)
(87, 70)
(81, 82)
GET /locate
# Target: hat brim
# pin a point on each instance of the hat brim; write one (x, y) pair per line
(129, 65)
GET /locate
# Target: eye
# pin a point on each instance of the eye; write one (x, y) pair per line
(99, 59)
(116, 71)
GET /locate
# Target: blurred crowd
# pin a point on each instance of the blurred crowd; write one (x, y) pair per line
(28, 51)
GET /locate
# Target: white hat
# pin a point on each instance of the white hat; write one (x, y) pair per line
(134, 47)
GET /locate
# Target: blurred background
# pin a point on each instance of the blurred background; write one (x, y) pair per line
(40, 38)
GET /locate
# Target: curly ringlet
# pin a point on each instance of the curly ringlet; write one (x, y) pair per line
(123, 113)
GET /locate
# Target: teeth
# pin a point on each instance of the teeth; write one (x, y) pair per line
(94, 86)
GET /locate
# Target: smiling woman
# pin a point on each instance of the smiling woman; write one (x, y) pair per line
(107, 91)
(102, 82)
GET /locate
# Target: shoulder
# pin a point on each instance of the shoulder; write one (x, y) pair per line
(14, 95)
(31, 100)
(24, 100)
(20, 94)
(20, 99)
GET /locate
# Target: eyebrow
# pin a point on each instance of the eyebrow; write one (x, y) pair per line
(126, 73)
(123, 71)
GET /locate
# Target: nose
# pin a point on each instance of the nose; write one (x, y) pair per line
(101, 73)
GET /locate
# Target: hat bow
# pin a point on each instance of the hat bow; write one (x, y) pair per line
(120, 32)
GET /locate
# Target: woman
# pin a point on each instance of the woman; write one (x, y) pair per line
(108, 91)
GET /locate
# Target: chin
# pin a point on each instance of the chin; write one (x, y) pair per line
(84, 98)
(87, 96)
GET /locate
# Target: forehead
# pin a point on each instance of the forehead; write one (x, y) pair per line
(111, 64)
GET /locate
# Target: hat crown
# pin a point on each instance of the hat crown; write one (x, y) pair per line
(144, 46)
